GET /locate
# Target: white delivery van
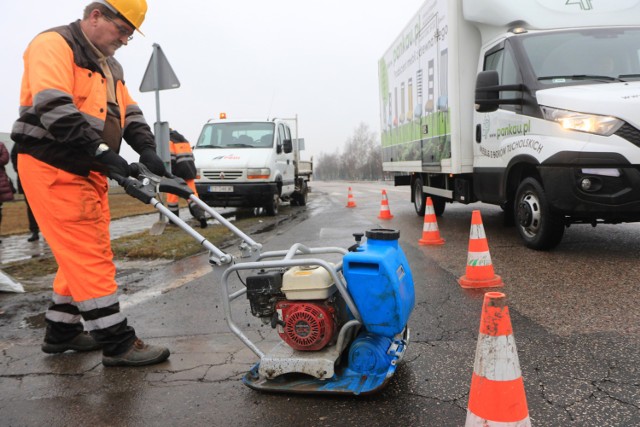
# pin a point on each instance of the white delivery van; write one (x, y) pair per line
(533, 105)
(250, 163)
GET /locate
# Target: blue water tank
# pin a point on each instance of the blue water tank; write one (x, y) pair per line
(380, 282)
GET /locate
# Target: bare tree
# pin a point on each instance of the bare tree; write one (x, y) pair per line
(361, 158)
(328, 166)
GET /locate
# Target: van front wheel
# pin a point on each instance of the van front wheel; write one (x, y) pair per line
(539, 227)
(271, 208)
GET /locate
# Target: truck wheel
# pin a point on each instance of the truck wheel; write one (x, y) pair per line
(439, 203)
(419, 198)
(540, 228)
(271, 209)
(299, 198)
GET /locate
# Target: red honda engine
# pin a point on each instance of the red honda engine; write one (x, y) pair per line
(306, 325)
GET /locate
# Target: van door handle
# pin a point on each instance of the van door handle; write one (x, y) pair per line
(478, 133)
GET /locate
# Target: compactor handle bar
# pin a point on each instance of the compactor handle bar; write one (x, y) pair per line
(145, 187)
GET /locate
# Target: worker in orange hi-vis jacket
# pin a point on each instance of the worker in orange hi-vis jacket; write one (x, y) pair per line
(184, 166)
(74, 111)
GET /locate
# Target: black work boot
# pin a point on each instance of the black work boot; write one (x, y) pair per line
(176, 212)
(81, 342)
(140, 354)
(34, 236)
(198, 213)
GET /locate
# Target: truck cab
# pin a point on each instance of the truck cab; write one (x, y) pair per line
(247, 163)
(557, 136)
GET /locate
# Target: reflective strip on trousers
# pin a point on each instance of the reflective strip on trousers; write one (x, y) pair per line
(104, 322)
(63, 310)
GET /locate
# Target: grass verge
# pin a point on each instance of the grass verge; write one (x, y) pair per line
(14, 213)
(173, 243)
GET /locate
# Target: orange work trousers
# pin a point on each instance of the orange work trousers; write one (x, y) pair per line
(73, 214)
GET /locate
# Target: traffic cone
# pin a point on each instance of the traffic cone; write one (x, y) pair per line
(385, 213)
(350, 202)
(479, 273)
(430, 233)
(496, 396)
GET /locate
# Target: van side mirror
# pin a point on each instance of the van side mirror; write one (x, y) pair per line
(487, 94)
(287, 146)
(488, 90)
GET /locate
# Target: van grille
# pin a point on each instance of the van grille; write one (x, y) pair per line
(222, 175)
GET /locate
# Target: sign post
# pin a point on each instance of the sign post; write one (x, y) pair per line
(160, 76)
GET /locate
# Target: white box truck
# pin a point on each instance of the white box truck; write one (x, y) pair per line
(533, 105)
(251, 164)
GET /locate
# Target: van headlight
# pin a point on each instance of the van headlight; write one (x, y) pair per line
(590, 123)
(262, 173)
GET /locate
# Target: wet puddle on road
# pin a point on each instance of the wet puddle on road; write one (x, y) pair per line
(33, 322)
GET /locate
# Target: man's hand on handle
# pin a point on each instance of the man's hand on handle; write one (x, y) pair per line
(117, 166)
(153, 162)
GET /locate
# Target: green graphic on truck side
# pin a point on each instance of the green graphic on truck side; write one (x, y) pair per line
(427, 140)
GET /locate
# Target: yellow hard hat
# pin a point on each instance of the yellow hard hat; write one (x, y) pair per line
(131, 10)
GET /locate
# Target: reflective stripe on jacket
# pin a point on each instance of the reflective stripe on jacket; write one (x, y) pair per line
(63, 102)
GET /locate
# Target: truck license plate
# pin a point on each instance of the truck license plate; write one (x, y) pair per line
(221, 189)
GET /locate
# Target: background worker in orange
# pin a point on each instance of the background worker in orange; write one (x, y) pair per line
(183, 165)
(74, 111)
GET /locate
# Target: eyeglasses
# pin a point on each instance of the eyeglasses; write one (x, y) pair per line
(124, 32)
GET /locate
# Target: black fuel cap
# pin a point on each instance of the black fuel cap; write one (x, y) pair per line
(383, 234)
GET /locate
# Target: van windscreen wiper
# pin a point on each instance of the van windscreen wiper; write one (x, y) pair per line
(582, 77)
(629, 76)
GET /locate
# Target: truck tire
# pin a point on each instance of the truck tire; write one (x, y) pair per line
(271, 209)
(299, 198)
(540, 228)
(419, 198)
(439, 203)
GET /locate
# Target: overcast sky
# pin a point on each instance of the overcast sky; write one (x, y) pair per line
(248, 58)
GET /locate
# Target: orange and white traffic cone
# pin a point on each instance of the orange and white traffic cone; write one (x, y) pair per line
(385, 213)
(351, 203)
(479, 273)
(430, 232)
(496, 396)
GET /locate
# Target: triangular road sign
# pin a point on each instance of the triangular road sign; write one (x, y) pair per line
(159, 74)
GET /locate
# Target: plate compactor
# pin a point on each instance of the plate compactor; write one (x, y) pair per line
(343, 324)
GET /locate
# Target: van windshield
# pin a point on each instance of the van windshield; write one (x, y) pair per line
(236, 135)
(598, 55)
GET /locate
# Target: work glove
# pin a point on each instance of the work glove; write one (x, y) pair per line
(153, 162)
(118, 168)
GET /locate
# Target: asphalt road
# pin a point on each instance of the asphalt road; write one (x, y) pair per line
(573, 312)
